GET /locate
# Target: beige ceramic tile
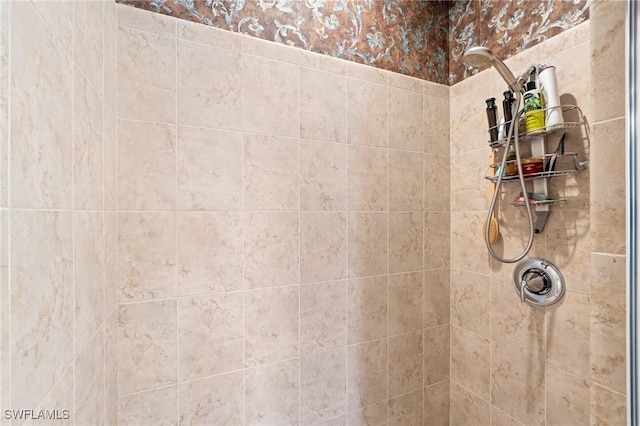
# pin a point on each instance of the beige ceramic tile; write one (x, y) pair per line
(205, 101)
(405, 242)
(468, 121)
(470, 361)
(436, 297)
(144, 20)
(607, 58)
(60, 395)
(146, 76)
(567, 331)
(110, 156)
(514, 378)
(435, 89)
(500, 418)
(436, 354)
(469, 189)
(323, 103)
(437, 240)
(214, 400)
(607, 407)
(58, 17)
(405, 119)
(88, 147)
(323, 316)
(608, 228)
(88, 41)
(146, 256)
(272, 394)
(405, 363)
(436, 182)
(366, 374)
(4, 104)
(336, 421)
(270, 50)
(41, 253)
(206, 34)
(271, 328)
(210, 335)
(271, 249)
(372, 415)
(151, 184)
(110, 261)
(209, 252)
(516, 325)
(366, 113)
(111, 368)
(466, 408)
(271, 175)
(209, 169)
(405, 302)
(405, 82)
(468, 250)
(470, 304)
(568, 398)
(323, 176)
(367, 309)
(436, 125)
(323, 246)
(322, 62)
(110, 54)
(88, 275)
(608, 321)
(406, 185)
(89, 382)
(157, 407)
(366, 73)
(275, 111)
(406, 409)
(41, 120)
(323, 387)
(436, 404)
(367, 244)
(573, 73)
(147, 346)
(367, 178)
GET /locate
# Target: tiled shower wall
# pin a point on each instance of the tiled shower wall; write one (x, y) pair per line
(283, 233)
(563, 365)
(57, 301)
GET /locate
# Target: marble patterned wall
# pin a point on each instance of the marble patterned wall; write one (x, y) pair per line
(563, 365)
(57, 296)
(283, 257)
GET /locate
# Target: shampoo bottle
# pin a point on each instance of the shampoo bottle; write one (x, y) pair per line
(507, 107)
(533, 108)
(549, 87)
(492, 117)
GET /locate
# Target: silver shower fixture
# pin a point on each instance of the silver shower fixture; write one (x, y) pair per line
(479, 57)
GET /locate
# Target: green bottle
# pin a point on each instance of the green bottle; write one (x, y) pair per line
(533, 108)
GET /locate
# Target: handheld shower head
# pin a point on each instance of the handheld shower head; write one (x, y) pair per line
(481, 57)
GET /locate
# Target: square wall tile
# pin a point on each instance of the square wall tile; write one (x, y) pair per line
(41, 274)
(405, 120)
(405, 242)
(367, 244)
(60, 395)
(147, 346)
(437, 404)
(214, 400)
(271, 328)
(323, 246)
(110, 261)
(607, 406)
(375, 414)
(88, 146)
(323, 387)
(148, 184)
(567, 398)
(323, 316)
(405, 302)
(271, 394)
(110, 144)
(209, 252)
(154, 407)
(146, 256)
(436, 297)
(144, 20)
(436, 182)
(367, 178)
(88, 41)
(271, 175)
(41, 121)
(367, 309)
(58, 17)
(367, 122)
(437, 240)
(210, 335)
(466, 408)
(209, 169)
(205, 100)
(405, 363)
(366, 373)
(406, 409)
(271, 249)
(405, 180)
(323, 176)
(323, 105)
(468, 250)
(436, 354)
(146, 76)
(270, 96)
(89, 389)
(470, 361)
(470, 304)
(436, 124)
(110, 54)
(209, 35)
